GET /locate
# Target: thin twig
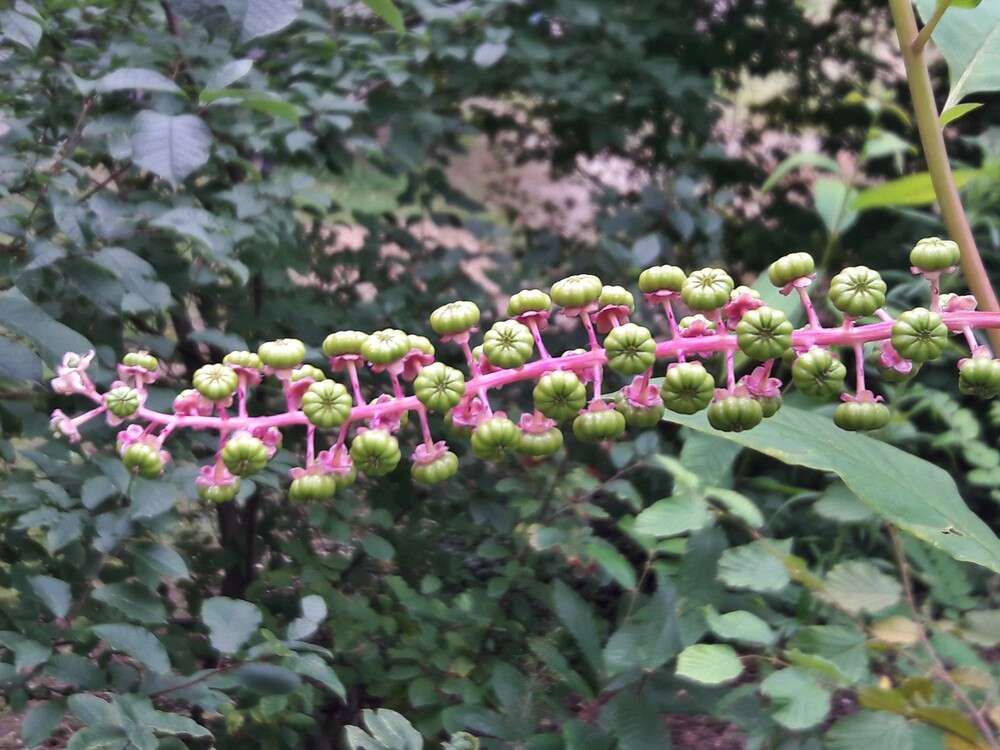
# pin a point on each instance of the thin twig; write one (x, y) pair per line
(925, 33)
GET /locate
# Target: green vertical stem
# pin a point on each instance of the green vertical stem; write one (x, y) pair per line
(932, 140)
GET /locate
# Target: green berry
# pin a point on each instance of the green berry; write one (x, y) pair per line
(788, 268)
(630, 348)
(307, 371)
(386, 346)
(616, 295)
(689, 320)
(219, 493)
(579, 290)
(346, 479)
(312, 488)
(861, 416)
(892, 375)
(639, 417)
(142, 459)
(559, 395)
(528, 300)
(818, 373)
(339, 343)
(495, 437)
(979, 376)
(919, 334)
(935, 254)
(508, 344)
(661, 279)
(455, 317)
(769, 405)
(707, 289)
(421, 344)
(327, 404)
(687, 388)
(375, 452)
(439, 387)
(441, 468)
(248, 360)
(244, 455)
(145, 360)
(282, 354)
(122, 401)
(597, 426)
(857, 291)
(735, 413)
(764, 333)
(540, 444)
(215, 382)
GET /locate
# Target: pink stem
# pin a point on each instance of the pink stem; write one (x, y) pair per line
(425, 428)
(935, 281)
(352, 372)
(731, 368)
(88, 415)
(310, 444)
(533, 327)
(397, 389)
(241, 397)
(859, 368)
(970, 338)
(342, 435)
(589, 325)
(808, 306)
(476, 376)
(884, 316)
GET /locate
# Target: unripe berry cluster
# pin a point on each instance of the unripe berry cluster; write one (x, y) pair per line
(708, 321)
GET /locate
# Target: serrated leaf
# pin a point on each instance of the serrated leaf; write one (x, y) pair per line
(133, 600)
(798, 700)
(839, 504)
(138, 643)
(843, 647)
(170, 146)
(230, 622)
(739, 626)
(672, 516)
(869, 729)
(900, 631)
(857, 587)
(152, 497)
(577, 617)
(54, 593)
(757, 566)
(709, 664)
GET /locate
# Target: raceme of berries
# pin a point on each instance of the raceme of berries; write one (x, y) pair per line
(686, 363)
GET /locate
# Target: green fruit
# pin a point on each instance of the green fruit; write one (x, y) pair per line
(935, 254)
(818, 373)
(616, 295)
(559, 395)
(339, 343)
(219, 493)
(599, 426)
(495, 437)
(735, 413)
(687, 388)
(707, 289)
(307, 371)
(122, 401)
(769, 405)
(861, 416)
(312, 488)
(375, 452)
(455, 317)
(421, 344)
(215, 382)
(892, 375)
(540, 444)
(508, 344)
(244, 455)
(439, 387)
(145, 360)
(248, 360)
(345, 479)
(979, 376)
(576, 291)
(456, 430)
(327, 404)
(788, 268)
(764, 333)
(282, 354)
(661, 279)
(857, 291)
(919, 334)
(630, 348)
(441, 468)
(142, 459)
(386, 346)
(639, 417)
(528, 300)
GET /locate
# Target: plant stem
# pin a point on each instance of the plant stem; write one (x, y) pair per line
(932, 139)
(925, 33)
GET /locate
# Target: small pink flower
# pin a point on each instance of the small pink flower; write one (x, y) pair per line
(610, 316)
(336, 460)
(414, 361)
(642, 396)
(540, 317)
(271, 437)
(864, 397)
(72, 374)
(574, 312)
(249, 376)
(190, 403)
(136, 376)
(389, 421)
(890, 359)
(659, 297)
(295, 390)
(698, 325)
(214, 475)
(343, 361)
(132, 434)
(958, 302)
(734, 311)
(468, 412)
(760, 385)
(799, 283)
(63, 426)
(535, 423)
(425, 454)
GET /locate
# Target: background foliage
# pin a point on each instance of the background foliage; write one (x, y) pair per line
(195, 176)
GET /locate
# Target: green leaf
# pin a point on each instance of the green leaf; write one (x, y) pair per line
(261, 101)
(798, 701)
(98, 738)
(18, 362)
(912, 190)
(757, 566)
(154, 561)
(673, 515)
(92, 710)
(133, 600)
(74, 670)
(313, 666)
(230, 622)
(138, 643)
(41, 721)
(843, 647)
(577, 617)
(163, 722)
(738, 505)
(858, 587)
(377, 547)
(20, 29)
(52, 338)
(839, 504)
(739, 626)
(392, 730)
(970, 43)
(388, 12)
(952, 114)
(834, 200)
(228, 74)
(170, 146)
(152, 497)
(867, 729)
(125, 79)
(28, 653)
(915, 495)
(637, 722)
(54, 593)
(267, 679)
(799, 160)
(709, 664)
(613, 562)
(256, 18)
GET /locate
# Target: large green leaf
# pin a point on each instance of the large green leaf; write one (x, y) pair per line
(915, 495)
(969, 39)
(912, 190)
